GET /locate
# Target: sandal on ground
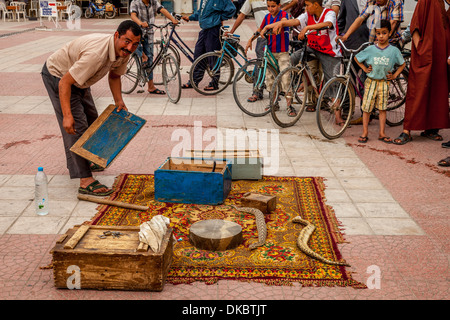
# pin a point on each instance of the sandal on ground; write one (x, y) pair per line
(157, 91)
(444, 162)
(446, 144)
(95, 167)
(187, 86)
(210, 88)
(363, 139)
(310, 108)
(431, 135)
(253, 98)
(90, 189)
(385, 139)
(403, 138)
(275, 107)
(291, 112)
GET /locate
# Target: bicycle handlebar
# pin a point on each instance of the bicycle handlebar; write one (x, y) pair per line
(352, 50)
(231, 35)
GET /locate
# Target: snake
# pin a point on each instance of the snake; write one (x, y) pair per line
(303, 239)
(260, 225)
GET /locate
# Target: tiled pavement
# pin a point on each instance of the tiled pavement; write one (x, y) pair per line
(392, 201)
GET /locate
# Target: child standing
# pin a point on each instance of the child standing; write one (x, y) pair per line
(278, 43)
(381, 59)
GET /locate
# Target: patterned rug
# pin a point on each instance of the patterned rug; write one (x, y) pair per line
(278, 262)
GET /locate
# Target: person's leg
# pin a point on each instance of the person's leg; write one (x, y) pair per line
(200, 48)
(150, 85)
(259, 50)
(382, 97)
(212, 43)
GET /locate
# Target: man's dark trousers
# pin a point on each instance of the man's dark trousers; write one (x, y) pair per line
(208, 41)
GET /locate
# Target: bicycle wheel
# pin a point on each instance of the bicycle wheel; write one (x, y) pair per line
(337, 98)
(249, 81)
(288, 101)
(131, 78)
(88, 13)
(211, 73)
(157, 71)
(110, 14)
(395, 112)
(172, 78)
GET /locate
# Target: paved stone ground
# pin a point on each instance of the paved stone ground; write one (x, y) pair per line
(393, 201)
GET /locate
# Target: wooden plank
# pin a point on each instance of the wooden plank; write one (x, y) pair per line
(112, 202)
(76, 237)
(142, 247)
(108, 136)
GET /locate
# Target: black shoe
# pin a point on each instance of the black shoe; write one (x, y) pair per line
(446, 144)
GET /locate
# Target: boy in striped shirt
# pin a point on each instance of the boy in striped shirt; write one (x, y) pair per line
(278, 44)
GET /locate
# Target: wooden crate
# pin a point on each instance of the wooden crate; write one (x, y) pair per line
(246, 164)
(122, 263)
(190, 180)
(108, 136)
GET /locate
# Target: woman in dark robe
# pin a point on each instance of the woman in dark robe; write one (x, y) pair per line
(426, 105)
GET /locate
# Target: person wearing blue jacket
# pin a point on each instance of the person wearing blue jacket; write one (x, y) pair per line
(210, 15)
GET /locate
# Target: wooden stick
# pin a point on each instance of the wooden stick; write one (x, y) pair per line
(95, 199)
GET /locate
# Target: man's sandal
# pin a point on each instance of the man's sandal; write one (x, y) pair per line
(90, 189)
(444, 162)
(431, 135)
(403, 138)
(95, 167)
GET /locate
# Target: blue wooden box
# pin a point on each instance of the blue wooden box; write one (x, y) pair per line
(193, 180)
(108, 136)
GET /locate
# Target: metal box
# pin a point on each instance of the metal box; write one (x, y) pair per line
(85, 257)
(246, 164)
(192, 180)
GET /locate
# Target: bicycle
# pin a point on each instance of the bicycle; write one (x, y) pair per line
(251, 79)
(137, 74)
(337, 98)
(287, 110)
(176, 44)
(212, 72)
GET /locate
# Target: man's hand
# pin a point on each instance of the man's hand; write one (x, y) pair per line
(69, 124)
(121, 106)
(185, 18)
(144, 25)
(65, 91)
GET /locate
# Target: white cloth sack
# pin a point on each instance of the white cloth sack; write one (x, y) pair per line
(152, 232)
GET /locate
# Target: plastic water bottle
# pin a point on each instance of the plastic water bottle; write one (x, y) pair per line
(41, 192)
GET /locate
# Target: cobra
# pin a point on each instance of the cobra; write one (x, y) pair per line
(260, 225)
(303, 239)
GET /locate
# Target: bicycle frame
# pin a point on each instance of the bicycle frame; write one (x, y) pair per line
(165, 45)
(230, 54)
(180, 44)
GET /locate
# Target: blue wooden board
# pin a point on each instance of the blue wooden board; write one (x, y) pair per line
(108, 136)
(191, 186)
